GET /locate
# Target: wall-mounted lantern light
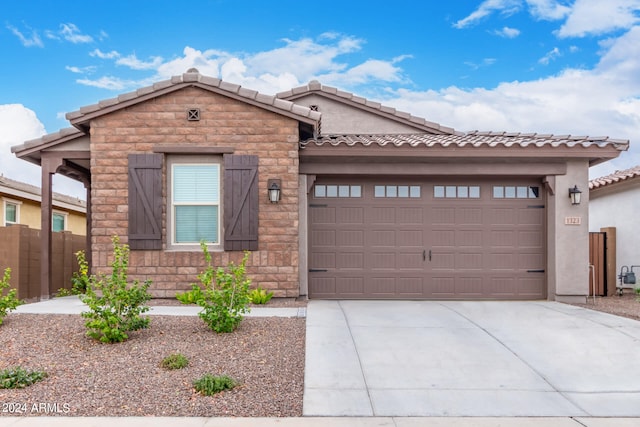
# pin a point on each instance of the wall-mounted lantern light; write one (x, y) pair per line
(274, 189)
(575, 195)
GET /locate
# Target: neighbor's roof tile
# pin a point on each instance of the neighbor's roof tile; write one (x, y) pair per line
(614, 178)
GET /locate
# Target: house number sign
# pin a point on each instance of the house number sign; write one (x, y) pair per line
(572, 220)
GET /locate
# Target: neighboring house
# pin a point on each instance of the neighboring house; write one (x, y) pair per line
(374, 203)
(21, 205)
(614, 201)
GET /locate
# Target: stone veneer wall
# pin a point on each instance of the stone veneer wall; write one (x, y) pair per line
(224, 122)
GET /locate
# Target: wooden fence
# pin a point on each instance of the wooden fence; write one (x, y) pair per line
(20, 251)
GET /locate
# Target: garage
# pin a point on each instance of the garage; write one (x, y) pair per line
(430, 238)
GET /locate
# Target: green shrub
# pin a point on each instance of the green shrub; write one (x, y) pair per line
(224, 296)
(20, 378)
(260, 296)
(189, 297)
(114, 307)
(175, 361)
(80, 279)
(209, 385)
(9, 301)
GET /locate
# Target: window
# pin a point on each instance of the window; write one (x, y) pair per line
(195, 202)
(11, 212)
(59, 221)
(456, 191)
(397, 191)
(515, 192)
(321, 191)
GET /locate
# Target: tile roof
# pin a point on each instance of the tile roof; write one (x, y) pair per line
(62, 135)
(316, 87)
(193, 78)
(7, 183)
(614, 178)
(472, 139)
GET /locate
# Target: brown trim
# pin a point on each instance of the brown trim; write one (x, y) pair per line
(191, 149)
(426, 169)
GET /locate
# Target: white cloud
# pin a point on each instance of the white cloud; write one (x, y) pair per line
(549, 10)
(19, 124)
(33, 40)
(107, 82)
(550, 56)
(604, 101)
(81, 70)
(71, 33)
(134, 63)
(104, 55)
(589, 17)
(507, 32)
(488, 7)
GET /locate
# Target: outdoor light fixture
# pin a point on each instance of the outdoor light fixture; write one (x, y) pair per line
(274, 189)
(575, 195)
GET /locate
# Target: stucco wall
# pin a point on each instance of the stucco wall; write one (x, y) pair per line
(225, 123)
(568, 251)
(339, 118)
(619, 206)
(30, 216)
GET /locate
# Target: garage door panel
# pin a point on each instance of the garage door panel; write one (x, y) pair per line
(324, 237)
(443, 216)
(350, 215)
(383, 215)
(350, 286)
(323, 259)
(382, 238)
(410, 287)
(503, 216)
(432, 246)
(468, 216)
(469, 286)
(469, 238)
(350, 261)
(322, 215)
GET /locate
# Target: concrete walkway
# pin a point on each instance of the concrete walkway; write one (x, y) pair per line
(73, 305)
(469, 359)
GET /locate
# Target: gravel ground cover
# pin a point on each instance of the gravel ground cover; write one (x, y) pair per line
(87, 378)
(626, 305)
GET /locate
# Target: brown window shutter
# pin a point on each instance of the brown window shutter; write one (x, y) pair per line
(240, 202)
(145, 201)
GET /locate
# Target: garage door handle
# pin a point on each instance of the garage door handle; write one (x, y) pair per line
(535, 271)
(424, 255)
(317, 270)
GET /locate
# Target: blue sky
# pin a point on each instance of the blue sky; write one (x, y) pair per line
(545, 66)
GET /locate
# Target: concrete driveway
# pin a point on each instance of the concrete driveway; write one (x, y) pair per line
(426, 358)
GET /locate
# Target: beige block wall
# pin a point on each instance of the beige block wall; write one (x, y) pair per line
(226, 123)
(569, 244)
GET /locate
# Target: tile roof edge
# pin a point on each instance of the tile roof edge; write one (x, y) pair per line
(616, 177)
(190, 78)
(314, 86)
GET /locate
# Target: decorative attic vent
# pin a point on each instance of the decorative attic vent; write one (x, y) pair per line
(313, 107)
(193, 115)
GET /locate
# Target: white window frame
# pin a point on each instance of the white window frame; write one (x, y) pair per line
(186, 160)
(17, 204)
(65, 218)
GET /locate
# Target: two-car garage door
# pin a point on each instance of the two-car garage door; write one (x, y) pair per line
(461, 239)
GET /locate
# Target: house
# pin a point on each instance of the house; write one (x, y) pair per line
(334, 195)
(21, 205)
(614, 201)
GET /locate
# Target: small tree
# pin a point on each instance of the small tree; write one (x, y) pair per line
(115, 308)
(10, 301)
(224, 296)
